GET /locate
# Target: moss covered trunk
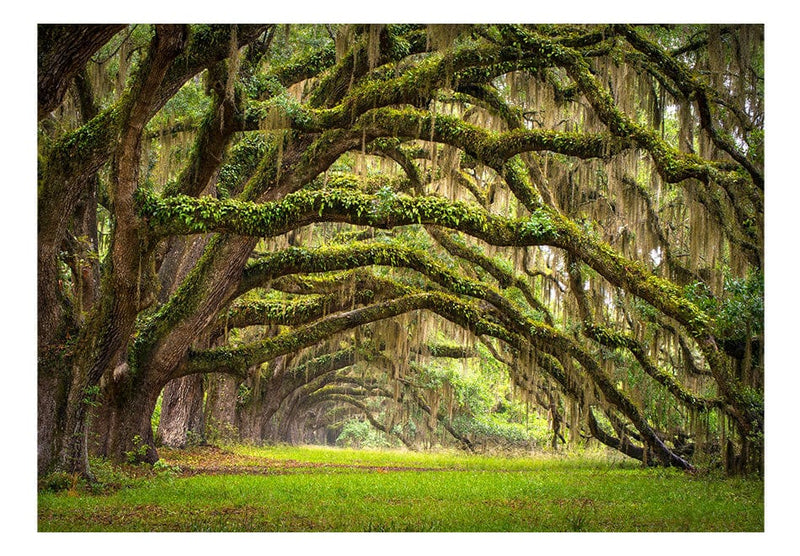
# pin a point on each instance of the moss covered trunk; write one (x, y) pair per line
(121, 425)
(52, 390)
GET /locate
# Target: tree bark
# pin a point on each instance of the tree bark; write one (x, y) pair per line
(122, 427)
(181, 420)
(63, 52)
(220, 409)
(52, 389)
(126, 292)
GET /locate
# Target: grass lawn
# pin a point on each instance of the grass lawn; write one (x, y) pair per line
(324, 489)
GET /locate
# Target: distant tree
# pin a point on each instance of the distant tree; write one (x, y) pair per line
(584, 202)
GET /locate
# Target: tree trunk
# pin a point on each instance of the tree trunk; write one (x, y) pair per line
(251, 413)
(265, 397)
(53, 387)
(182, 420)
(122, 427)
(220, 410)
(292, 420)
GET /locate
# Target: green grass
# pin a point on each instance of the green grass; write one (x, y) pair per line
(315, 489)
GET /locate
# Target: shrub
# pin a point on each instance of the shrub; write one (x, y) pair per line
(139, 452)
(220, 434)
(56, 482)
(108, 477)
(360, 434)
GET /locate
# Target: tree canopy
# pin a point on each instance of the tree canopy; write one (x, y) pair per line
(376, 219)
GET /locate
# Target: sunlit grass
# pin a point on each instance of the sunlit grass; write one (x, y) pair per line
(453, 459)
(453, 493)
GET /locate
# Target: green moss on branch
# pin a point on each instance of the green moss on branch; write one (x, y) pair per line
(616, 340)
(182, 215)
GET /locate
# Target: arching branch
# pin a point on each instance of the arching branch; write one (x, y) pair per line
(63, 52)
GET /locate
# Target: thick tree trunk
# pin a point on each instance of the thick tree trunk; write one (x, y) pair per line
(122, 427)
(285, 430)
(66, 168)
(220, 410)
(125, 287)
(53, 387)
(294, 431)
(251, 422)
(182, 420)
(263, 400)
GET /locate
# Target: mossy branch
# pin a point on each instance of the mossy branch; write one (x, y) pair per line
(289, 312)
(182, 215)
(243, 358)
(615, 340)
(490, 148)
(691, 86)
(359, 279)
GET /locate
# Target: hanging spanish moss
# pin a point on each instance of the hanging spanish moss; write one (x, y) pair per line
(374, 45)
(343, 40)
(442, 36)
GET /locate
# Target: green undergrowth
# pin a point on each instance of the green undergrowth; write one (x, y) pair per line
(324, 489)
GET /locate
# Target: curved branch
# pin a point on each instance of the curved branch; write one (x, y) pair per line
(182, 215)
(63, 52)
(504, 278)
(613, 340)
(691, 86)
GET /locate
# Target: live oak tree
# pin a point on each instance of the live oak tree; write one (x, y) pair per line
(314, 209)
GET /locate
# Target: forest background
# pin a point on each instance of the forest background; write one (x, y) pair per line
(19, 224)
